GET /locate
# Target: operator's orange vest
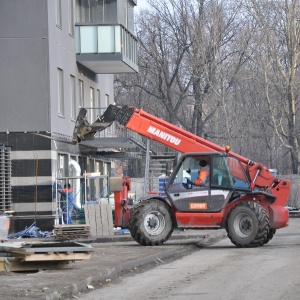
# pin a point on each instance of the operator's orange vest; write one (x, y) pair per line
(201, 177)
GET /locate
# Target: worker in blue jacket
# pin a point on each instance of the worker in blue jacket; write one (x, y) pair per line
(67, 202)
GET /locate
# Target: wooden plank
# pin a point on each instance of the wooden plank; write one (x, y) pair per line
(24, 249)
(79, 233)
(46, 249)
(71, 226)
(70, 237)
(13, 264)
(57, 257)
(72, 230)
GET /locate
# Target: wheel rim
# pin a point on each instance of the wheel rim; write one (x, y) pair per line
(243, 225)
(154, 223)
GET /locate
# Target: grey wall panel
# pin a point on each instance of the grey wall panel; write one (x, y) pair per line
(24, 85)
(26, 142)
(23, 194)
(23, 18)
(31, 168)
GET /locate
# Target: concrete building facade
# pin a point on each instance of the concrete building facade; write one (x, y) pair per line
(55, 56)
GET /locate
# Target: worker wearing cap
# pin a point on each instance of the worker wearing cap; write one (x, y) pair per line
(203, 174)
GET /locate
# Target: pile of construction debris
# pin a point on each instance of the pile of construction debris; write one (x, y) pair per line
(71, 232)
(36, 255)
(19, 254)
(31, 232)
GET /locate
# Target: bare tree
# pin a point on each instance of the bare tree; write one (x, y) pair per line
(278, 53)
(224, 70)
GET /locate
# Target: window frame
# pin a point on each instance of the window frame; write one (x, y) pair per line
(81, 92)
(73, 97)
(58, 13)
(71, 18)
(92, 104)
(60, 92)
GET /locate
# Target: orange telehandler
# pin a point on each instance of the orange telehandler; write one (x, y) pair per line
(241, 195)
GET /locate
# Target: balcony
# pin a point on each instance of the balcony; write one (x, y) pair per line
(106, 49)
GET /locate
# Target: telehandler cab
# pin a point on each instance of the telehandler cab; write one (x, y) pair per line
(240, 195)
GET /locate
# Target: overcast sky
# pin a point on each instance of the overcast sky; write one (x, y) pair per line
(141, 4)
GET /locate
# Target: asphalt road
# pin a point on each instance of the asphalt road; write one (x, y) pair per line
(220, 271)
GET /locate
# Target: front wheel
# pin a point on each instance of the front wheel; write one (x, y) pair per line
(270, 236)
(150, 222)
(248, 225)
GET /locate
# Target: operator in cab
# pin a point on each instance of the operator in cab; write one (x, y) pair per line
(203, 174)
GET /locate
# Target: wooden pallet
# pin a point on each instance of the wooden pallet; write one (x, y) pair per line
(14, 264)
(68, 232)
(23, 256)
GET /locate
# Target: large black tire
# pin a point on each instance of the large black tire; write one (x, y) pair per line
(270, 235)
(248, 225)
(150, 222)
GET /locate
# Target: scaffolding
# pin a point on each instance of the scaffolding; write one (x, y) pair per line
(88, 196)
(5, 179)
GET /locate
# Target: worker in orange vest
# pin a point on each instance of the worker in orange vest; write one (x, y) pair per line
(203, 174)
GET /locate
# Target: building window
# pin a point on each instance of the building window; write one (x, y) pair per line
(62, 167)
(60, 97)
(126, 14)
(71, 17)
(98, 11)
(92, 105)
(73, 97)
(106, 100)
(130, 17)
(58, 13)
(98, 111)
(109, 129)
(81, 93)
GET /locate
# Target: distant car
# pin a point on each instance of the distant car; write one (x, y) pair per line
(290, 208)
(293, 210)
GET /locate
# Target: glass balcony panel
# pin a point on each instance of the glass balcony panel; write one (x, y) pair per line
(123, 40)
(106, 39)
(100, 40)
(118, 38)
(77, 34)
(88, 39)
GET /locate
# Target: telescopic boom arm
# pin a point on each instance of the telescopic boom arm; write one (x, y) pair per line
(172, 136)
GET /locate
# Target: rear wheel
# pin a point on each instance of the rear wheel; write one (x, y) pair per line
(150, 222)
(270, 235)
(248, 225)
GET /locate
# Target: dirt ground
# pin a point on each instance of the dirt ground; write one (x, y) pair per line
(111, 259)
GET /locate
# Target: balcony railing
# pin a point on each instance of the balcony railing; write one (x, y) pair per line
(106, 48)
